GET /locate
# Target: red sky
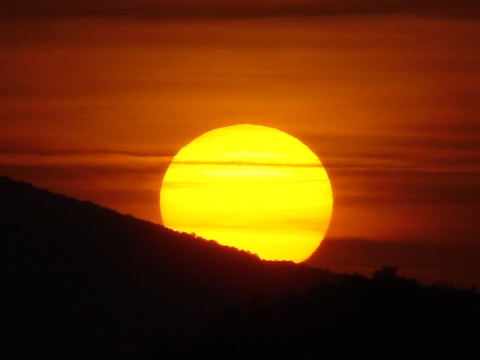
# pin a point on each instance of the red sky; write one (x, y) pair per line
(97, 96)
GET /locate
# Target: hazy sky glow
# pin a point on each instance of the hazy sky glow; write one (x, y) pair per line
(96, 98)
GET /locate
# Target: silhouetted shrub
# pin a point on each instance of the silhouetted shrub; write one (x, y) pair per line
(387, 317)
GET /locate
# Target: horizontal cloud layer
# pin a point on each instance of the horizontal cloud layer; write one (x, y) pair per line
(428, 261)
(216, 9)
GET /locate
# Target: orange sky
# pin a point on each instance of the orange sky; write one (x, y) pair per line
(96, 97)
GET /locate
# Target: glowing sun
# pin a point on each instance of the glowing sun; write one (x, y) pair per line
(252, 187)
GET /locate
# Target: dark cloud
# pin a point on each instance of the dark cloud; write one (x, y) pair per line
(455, 263)
(126, 182)
(215, 9)
(78, 154)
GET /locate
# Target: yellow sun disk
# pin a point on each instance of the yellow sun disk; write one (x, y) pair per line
(251, 187)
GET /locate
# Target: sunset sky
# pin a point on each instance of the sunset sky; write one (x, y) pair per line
(97, 96)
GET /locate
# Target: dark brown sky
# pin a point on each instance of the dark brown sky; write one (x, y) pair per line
(97, 96)
(235, 9)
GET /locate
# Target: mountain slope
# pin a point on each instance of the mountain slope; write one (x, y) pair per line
(82, 281)
(385, 317)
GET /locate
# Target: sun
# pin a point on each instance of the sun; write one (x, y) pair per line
(252, 187)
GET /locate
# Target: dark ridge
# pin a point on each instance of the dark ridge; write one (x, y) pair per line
(81, 281)
(386, 317)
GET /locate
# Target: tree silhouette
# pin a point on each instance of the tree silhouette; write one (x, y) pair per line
(350, 318)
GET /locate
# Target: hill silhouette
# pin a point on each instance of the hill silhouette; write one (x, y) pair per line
(83, 282)
(386, 317)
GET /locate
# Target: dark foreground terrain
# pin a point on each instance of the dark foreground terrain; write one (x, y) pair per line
(386, 317)
(83, 282)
